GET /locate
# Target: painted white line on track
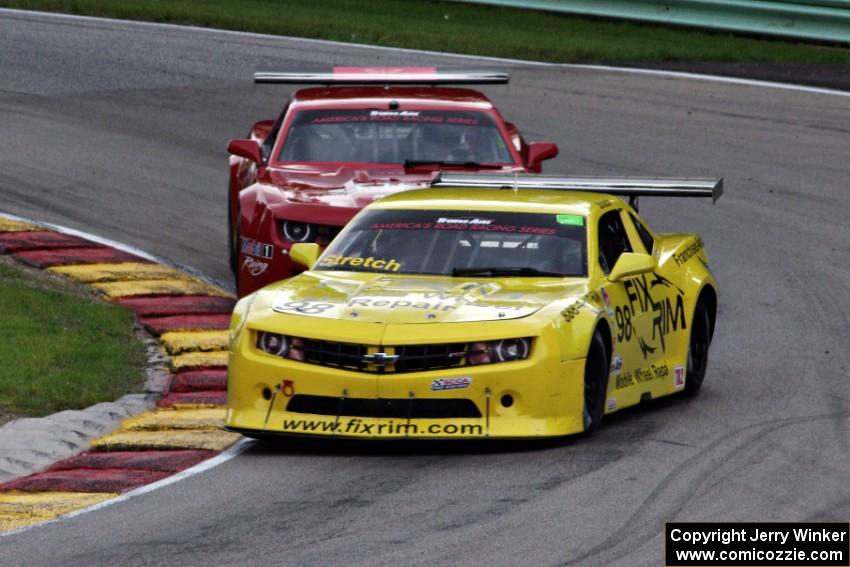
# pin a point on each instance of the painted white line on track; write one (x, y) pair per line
(518, 62)
(226, 455)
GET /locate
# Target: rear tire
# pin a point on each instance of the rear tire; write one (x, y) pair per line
(698, 344)
(595, 383)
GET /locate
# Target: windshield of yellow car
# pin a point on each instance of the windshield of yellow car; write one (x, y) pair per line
(461, 243)
(411, 137)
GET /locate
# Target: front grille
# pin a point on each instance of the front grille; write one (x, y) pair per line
(349, 356)
(339, 355)
(417, 358)
(400, 408)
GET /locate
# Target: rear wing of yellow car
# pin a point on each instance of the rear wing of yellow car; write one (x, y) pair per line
(631, 187)
(385, 76)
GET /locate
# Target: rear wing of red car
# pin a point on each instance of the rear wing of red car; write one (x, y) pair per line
(386, 76)
(632, 187)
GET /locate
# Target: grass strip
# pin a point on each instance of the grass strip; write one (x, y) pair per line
(61, 347)
(456, 27)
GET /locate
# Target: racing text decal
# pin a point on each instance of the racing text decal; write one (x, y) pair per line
(692, 248)
(390, 265)
(355, 426)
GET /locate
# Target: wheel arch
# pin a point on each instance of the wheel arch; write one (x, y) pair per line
(709, 295)
(604, 329)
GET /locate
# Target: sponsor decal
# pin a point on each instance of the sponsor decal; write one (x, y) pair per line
(334, 260)
(575, 220)
(668, 314)
(459, 383)
(692, 248)
(444, 223)
(612, 404)
(470, 221)
(396, 116)
(642, 376)
(605, 297)
(678, 377)
(357, 426)
(616, 365)
(254, 267)
(256, 248)
(570, 312)
(394, 113)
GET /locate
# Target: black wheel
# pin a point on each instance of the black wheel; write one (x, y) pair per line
(595, 383)
(698, 349)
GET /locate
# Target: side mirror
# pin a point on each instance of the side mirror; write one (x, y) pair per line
(248, 149)
(632, 264)
(538, 152)
(304, 253)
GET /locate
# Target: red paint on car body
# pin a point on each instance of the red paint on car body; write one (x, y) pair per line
(266, 191)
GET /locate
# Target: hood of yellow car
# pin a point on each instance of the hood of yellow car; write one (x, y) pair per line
(380, 298)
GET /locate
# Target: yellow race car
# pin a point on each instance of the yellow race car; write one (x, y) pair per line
(498, 306)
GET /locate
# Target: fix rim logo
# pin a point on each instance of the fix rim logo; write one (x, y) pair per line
(668, 316)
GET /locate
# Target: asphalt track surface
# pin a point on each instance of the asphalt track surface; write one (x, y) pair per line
(119, 129)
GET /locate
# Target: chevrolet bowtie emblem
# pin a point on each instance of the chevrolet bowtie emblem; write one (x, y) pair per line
(380, 358)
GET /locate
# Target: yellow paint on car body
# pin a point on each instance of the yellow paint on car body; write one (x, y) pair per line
(121, 271)
(634, 328)
(20, 509)
(179, 342)
(10, 225)
(115, 290)
(209, 439)
(199, 360)
(171, 419)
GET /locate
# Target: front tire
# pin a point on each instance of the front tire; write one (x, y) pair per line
(595, 383)
(698, 344)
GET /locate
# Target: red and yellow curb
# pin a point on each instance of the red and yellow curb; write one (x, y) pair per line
(190, 317)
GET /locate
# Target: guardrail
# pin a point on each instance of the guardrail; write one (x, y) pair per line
(820, 20)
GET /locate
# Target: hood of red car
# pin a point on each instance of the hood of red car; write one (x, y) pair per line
(343, 186)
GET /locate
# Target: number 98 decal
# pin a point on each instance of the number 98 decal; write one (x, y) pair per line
(623, 316)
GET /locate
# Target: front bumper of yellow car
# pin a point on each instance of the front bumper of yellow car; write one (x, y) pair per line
(541, 396)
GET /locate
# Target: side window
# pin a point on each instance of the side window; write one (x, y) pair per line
(645, 237)
(271, 138)
(613, 240)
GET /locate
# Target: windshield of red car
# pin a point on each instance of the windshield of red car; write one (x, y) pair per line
(394, 136)
(460, 243)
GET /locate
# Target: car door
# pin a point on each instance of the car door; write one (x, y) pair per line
(632, 303)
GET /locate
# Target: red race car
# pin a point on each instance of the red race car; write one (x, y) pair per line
(366, 133)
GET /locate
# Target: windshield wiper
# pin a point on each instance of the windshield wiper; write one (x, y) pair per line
(408, 163)
(494, 272)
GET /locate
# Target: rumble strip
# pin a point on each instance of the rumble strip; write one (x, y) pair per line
(190, 318)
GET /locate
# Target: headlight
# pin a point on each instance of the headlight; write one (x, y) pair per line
(505, 350)
(510, 349)
(273, 343)
(298, 231)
